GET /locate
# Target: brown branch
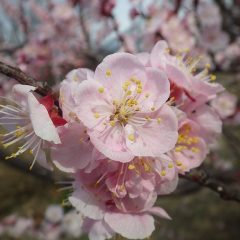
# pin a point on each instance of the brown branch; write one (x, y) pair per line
(23, 78)
(202, 178)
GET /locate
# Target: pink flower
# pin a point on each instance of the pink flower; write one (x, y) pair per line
(225, 104)
(188, 88)
(119, 197)
(75, 151)
(34, 123)
(191, 149)
(123, 107)
(209, 122)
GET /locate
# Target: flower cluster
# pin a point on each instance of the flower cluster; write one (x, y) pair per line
(54, 225)
(124, 132)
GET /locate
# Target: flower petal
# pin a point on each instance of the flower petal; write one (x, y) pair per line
(158, 89)
(116, 69)
(111, 143)
(42, 123)
(75, 152)
(93, 107)
(156, 136)
(137, 226)
(86, 204)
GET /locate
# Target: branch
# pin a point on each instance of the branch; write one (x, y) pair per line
(201, 177)
(23, 78)
(119, 35)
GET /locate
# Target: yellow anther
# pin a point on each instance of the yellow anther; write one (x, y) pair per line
(195, 149)
(208, 65)
(101, 90)
(152, 108)
(159, 120)
(112, 123)
(167, 50)
(179, 163)
(127, 83)
(180, 148)
(75, 77)
(115, 102)
(30, 151)
(131, 137)
(108, 73)
(129, 92)
(148, 118)
(170, 165)
(139, 90)
(96, 114)
(19, 133)
(125, 88)
(213, 77)
(131, 167)
(163, 173)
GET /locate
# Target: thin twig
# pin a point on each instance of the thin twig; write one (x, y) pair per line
(202, 178)
(23, 78)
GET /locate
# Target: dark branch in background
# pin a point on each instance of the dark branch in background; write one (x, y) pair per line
(84, 28)
(23, 78)
(119, 35)
(177, 6)
(11, 49)
(202, 178)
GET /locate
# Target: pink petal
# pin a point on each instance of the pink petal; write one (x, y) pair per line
(158, 88)
(153, 138)
(111, 143)
(160, 212)
(87, 204)
(79, 75)
(137, 226)
(92, 102)
(178, 77)
(100, 231)
(157, 54)
(75, 152)
(41, 122)
(121, 67)
(167, 187)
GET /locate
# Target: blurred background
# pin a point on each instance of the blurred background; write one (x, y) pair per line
(48, 38)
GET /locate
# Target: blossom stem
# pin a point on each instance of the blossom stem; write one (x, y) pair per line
(202, 178)
(23, 78)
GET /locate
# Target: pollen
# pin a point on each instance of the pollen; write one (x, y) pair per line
(152, 108)
(131, 137)
(30, 151)
(112, 123)
(163, 173)
(195, 149)
(167, 50)
(101, 90)
(208, 65)
(19, 132)
(170, 165)
(159, 120)
(131, 167)
(108, 73)
(179, 163)
(139, 90)
(96, 115)
(148, 118)
(129, 92)
(213, 77)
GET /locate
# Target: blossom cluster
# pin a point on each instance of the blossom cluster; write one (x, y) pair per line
(53, 226)
(123, 132)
